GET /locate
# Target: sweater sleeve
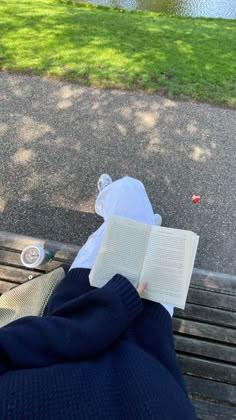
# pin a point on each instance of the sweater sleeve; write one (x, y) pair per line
(79, 329)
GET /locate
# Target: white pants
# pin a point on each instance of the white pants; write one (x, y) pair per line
(125, 197)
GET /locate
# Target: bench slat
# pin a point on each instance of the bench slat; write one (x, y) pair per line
(5, 286)
(208, 410)
(213, 390)
(214, 281)
(209, 369)
(13, 258)
(19, 242)
(205, 314)
(17, 275)
(198, 329)
(199, 347)
(211, 299)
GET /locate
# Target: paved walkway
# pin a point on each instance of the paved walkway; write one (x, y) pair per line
(56, 138)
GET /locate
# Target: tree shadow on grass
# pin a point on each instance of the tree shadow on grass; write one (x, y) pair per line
(132, 50)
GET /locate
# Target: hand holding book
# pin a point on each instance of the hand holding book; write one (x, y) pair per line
(141, 287)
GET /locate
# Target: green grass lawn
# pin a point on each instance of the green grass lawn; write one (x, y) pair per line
(175, 56)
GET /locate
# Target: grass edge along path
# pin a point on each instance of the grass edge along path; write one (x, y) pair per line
(181, 57)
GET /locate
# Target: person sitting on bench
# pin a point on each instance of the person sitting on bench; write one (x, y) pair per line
(96, 353)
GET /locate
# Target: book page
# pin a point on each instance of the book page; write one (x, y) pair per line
(122, 251)
(196, 240)
(166, 266)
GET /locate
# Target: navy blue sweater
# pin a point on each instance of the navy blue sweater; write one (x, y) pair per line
(95, 354)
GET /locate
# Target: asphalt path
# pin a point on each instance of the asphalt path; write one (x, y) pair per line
(56, 138)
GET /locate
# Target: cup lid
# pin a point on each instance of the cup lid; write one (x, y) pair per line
(32, 256)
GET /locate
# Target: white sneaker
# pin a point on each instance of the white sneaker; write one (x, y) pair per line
(158, 219)
(104, 181)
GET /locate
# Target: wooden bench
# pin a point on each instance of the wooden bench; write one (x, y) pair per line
(204, 332)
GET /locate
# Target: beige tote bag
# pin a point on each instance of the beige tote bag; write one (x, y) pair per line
(29, 298)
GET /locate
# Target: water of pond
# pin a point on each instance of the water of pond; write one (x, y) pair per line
(208, 8)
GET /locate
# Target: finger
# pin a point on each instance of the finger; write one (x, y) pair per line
(141, 287)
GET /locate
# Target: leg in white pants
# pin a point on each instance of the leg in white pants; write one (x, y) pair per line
(125, 197)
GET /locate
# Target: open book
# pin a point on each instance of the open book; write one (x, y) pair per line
(161, 256)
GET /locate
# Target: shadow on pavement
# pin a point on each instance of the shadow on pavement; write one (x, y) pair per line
(57, 138)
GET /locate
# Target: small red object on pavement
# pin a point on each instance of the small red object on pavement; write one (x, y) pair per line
(195, 198)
